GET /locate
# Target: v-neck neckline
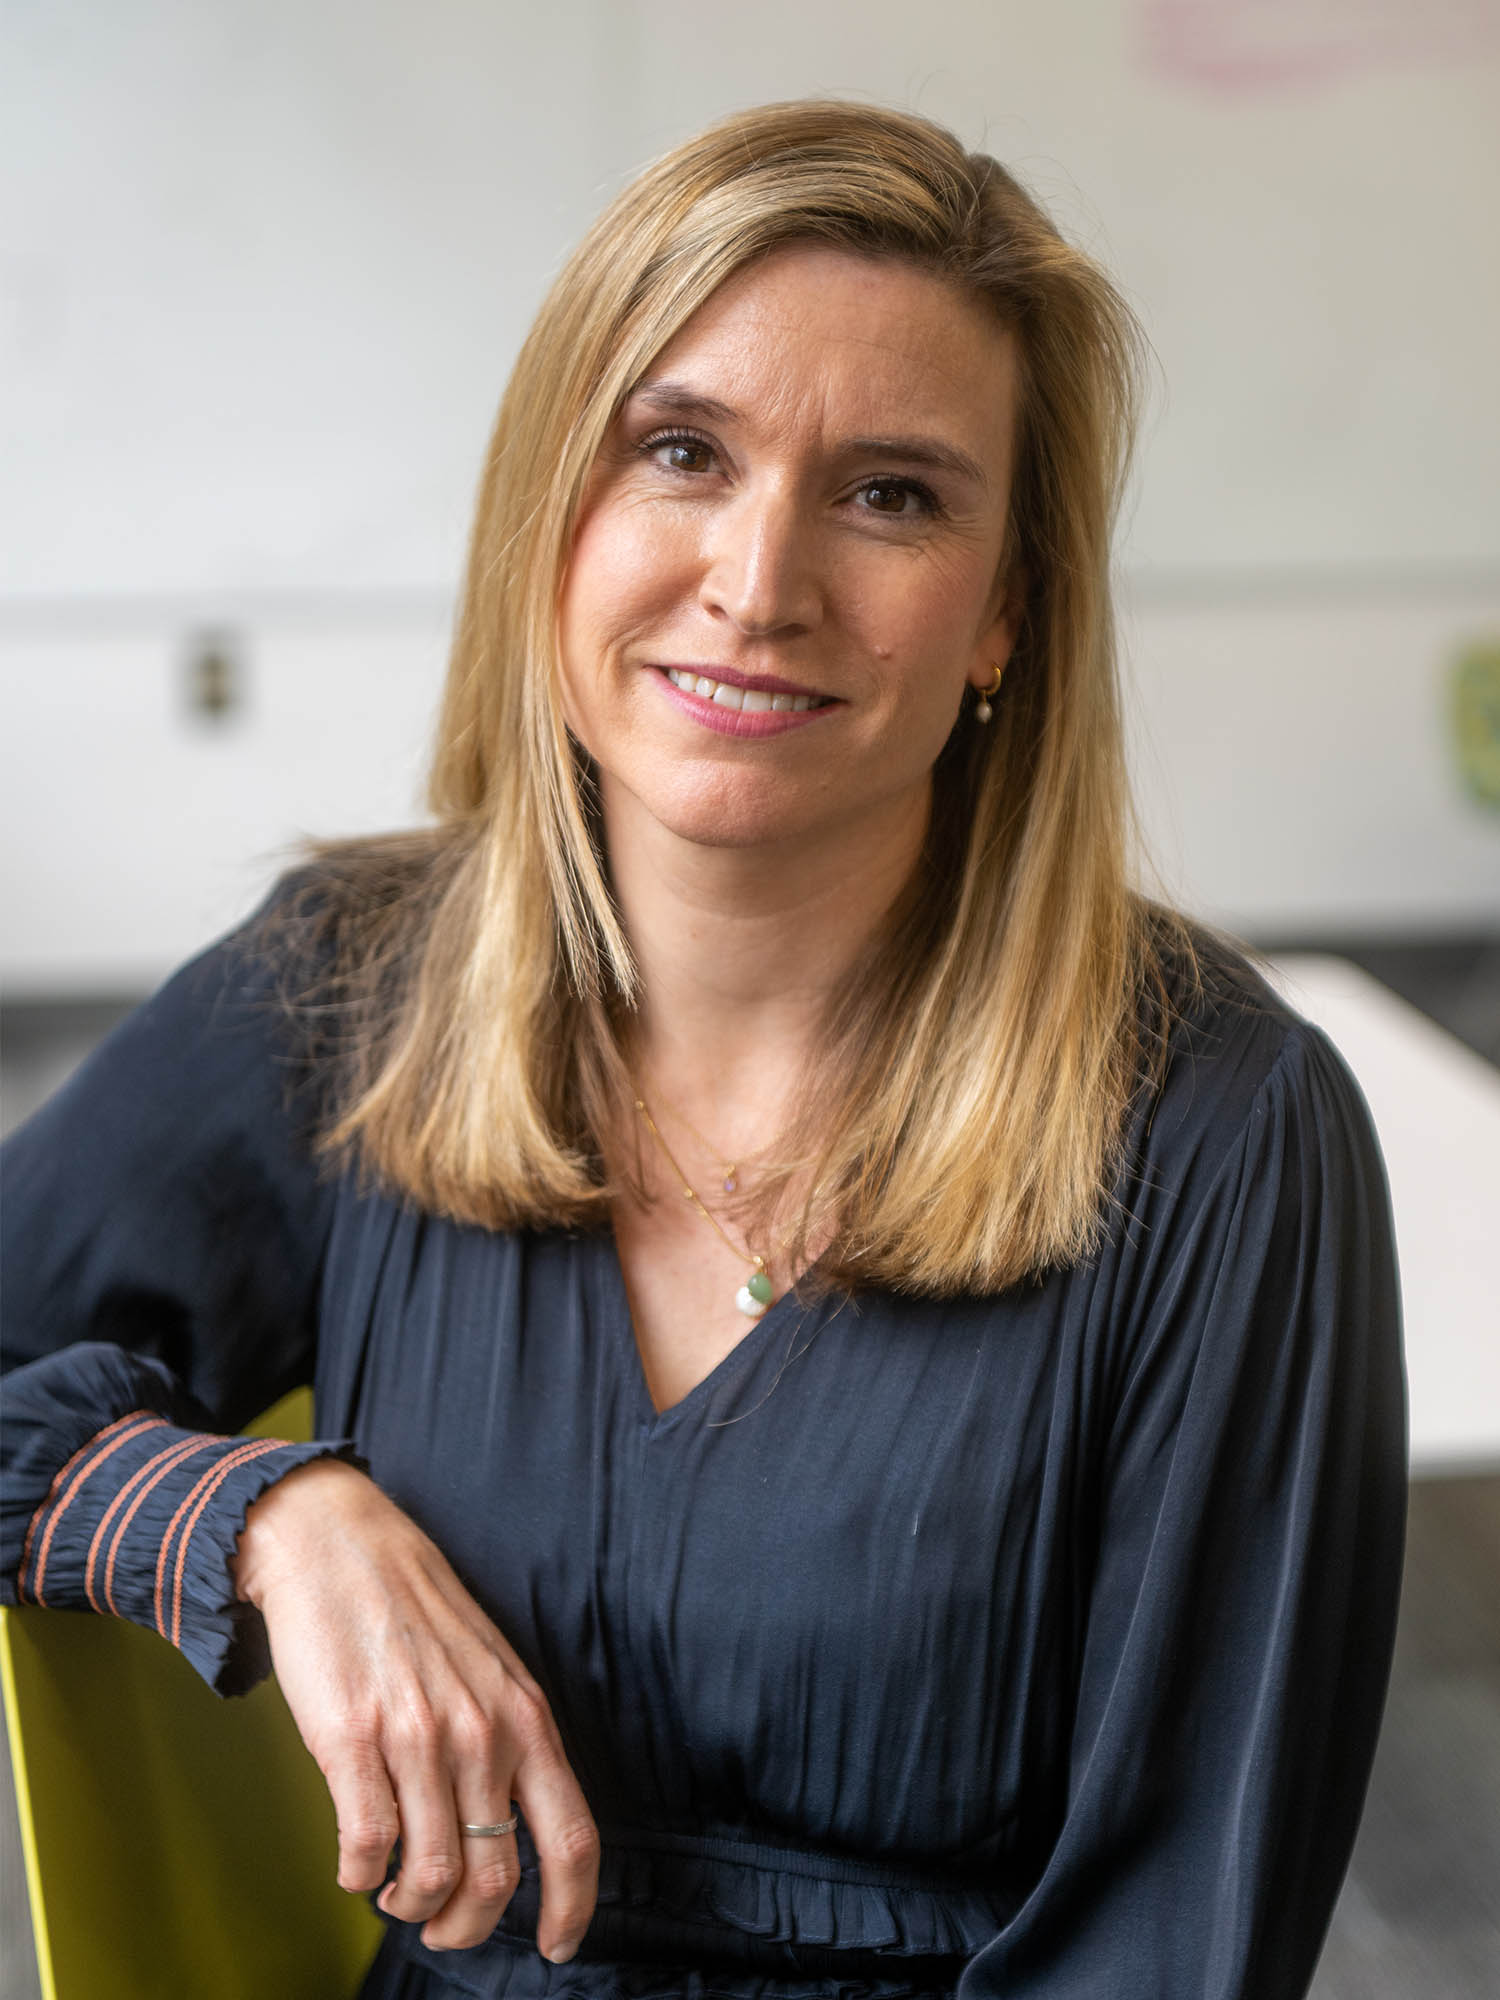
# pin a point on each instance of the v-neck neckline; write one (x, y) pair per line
(746, 1348)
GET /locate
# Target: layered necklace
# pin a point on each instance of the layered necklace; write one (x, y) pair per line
(730, 1169)
(756, 1293)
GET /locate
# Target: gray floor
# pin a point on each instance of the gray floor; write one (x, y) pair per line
(1419, 1918)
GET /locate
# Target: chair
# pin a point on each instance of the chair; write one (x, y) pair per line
(177, 1846)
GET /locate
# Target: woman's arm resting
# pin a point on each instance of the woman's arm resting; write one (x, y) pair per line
(419, 1714)
(165, 1226)
(118, 1496)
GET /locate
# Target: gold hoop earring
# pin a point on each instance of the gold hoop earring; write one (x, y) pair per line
(983, 709)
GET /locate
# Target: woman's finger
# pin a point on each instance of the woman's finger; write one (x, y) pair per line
(365, 1808)
(431, 1861)
(567, 1841)
(491, 1870)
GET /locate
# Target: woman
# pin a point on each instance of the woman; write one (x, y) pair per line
(876, 1360)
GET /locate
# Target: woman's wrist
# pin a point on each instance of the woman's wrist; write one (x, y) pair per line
(279, 1518)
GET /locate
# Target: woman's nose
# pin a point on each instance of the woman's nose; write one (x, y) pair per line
(762, 569)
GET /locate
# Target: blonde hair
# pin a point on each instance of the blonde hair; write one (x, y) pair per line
(966, 1115)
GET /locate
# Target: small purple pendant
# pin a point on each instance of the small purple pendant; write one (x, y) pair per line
(730, 1184)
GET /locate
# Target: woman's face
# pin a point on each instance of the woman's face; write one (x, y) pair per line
(786, 566)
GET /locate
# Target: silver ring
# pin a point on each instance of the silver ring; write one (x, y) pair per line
(492, 1832)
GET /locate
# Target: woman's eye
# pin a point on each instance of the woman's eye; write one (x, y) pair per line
(890, 496)
(679, 454)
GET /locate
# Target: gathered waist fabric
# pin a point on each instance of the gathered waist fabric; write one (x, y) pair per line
(719, 1915)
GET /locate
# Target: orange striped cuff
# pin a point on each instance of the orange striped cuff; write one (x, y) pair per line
(144, 1521)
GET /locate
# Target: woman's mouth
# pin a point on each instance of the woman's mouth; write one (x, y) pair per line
(729, 708)
(747, 701)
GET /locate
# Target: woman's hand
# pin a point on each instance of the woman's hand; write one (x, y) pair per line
(419, 1714)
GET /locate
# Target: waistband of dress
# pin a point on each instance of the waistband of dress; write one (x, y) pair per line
(757, 1902)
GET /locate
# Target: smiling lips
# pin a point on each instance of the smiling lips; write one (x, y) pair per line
(730, 708)
(747, 700)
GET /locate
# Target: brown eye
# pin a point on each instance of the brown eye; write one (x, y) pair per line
(886, 497)
(683, 454)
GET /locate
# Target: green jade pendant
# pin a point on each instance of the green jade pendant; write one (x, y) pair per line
(755, 1294)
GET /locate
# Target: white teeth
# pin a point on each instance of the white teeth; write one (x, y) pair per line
(753, 701)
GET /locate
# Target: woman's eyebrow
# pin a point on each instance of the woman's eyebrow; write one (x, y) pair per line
(935, 452)
(677, 399)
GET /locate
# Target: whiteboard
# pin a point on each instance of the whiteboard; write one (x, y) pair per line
(263, 269)
(1313, 248)
(263, 272)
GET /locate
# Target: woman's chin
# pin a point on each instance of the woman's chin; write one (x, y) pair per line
(735, 832)
(733, 811)
(738, 812)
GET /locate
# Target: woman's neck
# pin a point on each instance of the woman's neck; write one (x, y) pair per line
(739, 951)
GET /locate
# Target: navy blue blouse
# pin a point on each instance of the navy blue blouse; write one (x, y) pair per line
(1026, 1645)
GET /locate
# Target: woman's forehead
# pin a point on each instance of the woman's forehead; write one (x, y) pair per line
(814, 335)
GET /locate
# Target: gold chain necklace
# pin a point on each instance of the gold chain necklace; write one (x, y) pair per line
(730, 1169)
(756, 1293)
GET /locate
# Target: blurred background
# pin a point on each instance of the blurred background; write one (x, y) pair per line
(262, 274)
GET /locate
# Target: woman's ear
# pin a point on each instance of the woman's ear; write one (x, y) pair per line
(999, 638)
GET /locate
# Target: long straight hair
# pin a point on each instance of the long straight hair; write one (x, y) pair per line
(964, 1118)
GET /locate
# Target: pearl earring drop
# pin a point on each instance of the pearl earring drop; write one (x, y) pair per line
(983, 709)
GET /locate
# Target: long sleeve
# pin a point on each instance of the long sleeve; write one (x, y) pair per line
(1244, 1597)
(164, 1226)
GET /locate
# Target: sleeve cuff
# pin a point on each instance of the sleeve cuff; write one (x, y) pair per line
(143, 1522)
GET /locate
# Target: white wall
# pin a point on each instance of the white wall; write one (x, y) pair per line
(136, 830)
(266, 268)
(1294, 763)
(262, 272)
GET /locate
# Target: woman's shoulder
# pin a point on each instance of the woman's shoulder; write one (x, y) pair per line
(259, 1017)
(1230, 1050)
(341, 898)
(1215, 988)
(338, 932)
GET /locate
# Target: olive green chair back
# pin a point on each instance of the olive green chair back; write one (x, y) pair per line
(175, 1844)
